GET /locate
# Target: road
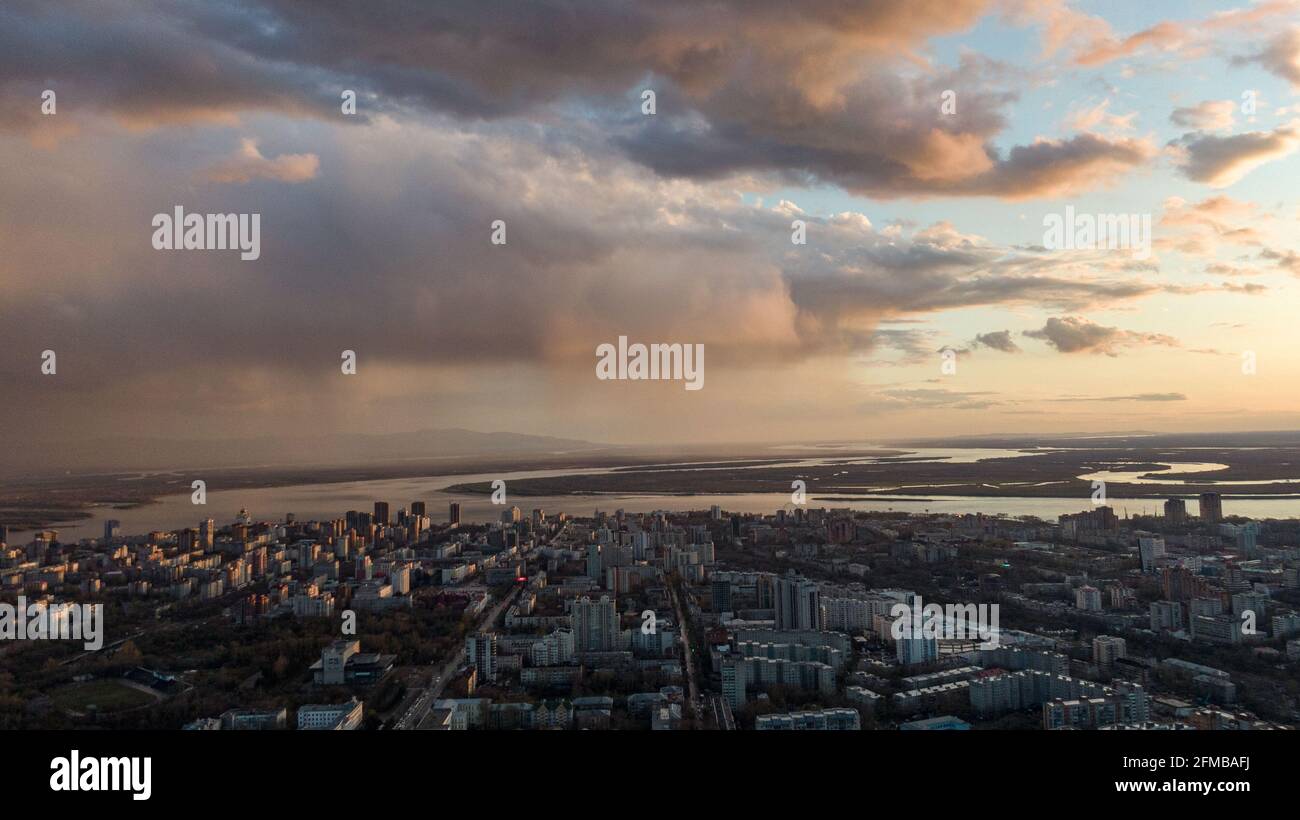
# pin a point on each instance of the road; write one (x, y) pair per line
(424, 701)
(722, 714)
(697, 705)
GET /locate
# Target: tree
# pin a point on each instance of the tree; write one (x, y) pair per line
(128, 655)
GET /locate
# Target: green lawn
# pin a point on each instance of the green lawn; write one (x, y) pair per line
(109, 695)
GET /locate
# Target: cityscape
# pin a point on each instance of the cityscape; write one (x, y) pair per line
(399, 617)
(679, 371)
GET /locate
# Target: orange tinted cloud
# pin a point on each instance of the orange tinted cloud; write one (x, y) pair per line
(1220, 161)
(248, 164)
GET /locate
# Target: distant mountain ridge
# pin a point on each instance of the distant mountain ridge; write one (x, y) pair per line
(1255, 438)
(129, 453)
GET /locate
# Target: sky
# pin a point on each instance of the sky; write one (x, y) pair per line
(925, 146)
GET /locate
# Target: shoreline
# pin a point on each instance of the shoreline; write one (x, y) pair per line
(867, 475)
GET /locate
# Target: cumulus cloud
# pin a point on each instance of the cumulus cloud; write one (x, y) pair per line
(1211, 115)
(1199, 228)
(997, 340)
(248, 164)
(1074, 334)
(1221, 161)
(833, 91)
(399, 231)
(186, 63)
(913, 344)
(1090, 40)
(618, 223)
(1098, 116)
(1281, 56)
(860, 275)
(1164, 36)
(1288, 261)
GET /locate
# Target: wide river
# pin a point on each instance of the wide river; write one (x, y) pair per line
(328, 501)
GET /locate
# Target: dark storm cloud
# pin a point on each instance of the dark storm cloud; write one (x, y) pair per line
(828, 90)
(376, 238)
(145, 63)
(385, 250)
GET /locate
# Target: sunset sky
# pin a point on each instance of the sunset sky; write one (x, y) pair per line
(924, 228)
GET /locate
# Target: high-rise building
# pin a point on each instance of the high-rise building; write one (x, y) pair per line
(1208, 606)
(1106, 649)
(481, 650)
(1150, 550)
(733, 682)
(1285, 626)
(798, 603)
(1233, 577)
(916, 650)
(453, 515)
(112, 529)
(721, 595)
(851, 615)
(417, 509)
(1211, 507)
(1175, 512)
(207, 533)
(595, 625)
(381, 514)
(1100, 519)
(1253, 602)
(1087, 598)
(1181, 584)
(1216, 628)
(840, 531)
(1166, 616)
(1247, 538)
(400, 577)
(765, 590)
